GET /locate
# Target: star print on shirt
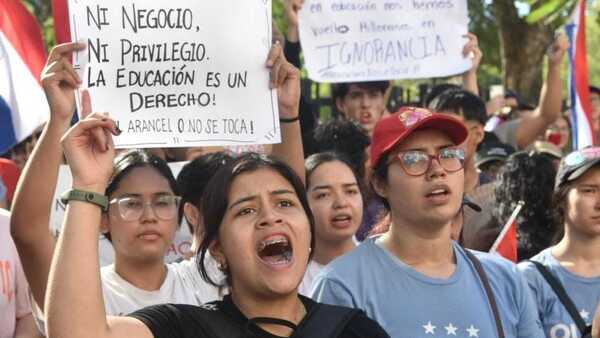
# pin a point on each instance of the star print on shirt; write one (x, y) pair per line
(584, 314)
(473, 332)
(429, 328)
(450, 329)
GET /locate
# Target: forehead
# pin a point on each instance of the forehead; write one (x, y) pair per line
(355, 88)
(331, 173)
(260, 181)
(143, 180)
(425, 139)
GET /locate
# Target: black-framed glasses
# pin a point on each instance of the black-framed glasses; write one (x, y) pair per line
(131, 208)
(417, 163)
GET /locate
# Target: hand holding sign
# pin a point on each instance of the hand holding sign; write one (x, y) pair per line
(286, 79)
(90, 150)
(60, 80)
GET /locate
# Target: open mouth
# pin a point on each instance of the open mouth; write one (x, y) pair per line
(275, 251)
(438, 193)
(341, 221)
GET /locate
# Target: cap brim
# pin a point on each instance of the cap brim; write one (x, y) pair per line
(490, 159)
(447, 124)
(580, 171)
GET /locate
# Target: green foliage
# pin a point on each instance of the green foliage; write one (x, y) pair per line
(42, 10)
(552, 12)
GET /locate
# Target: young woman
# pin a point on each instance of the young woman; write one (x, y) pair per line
(335, 199)
(574, 261)
(258, 228)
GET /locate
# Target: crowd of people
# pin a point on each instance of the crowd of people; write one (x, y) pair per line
(374, 223)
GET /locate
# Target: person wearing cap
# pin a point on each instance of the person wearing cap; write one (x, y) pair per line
(574, 259)
(414, 280)
(490, 157)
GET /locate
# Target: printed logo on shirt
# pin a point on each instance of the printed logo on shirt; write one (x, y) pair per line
(563, 330)
(7, 280)
(450, 330)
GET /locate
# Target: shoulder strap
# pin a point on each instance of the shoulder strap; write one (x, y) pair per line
(488, 291)
(564, 298)
(326, 321)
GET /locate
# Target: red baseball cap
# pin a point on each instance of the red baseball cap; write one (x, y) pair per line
(393, 129)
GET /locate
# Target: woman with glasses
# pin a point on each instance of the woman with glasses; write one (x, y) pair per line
(140, 221)
(433, 287)
(572, 264)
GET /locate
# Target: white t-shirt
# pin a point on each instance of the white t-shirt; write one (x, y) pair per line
(14, 290)
(183, 285)
(311, 273)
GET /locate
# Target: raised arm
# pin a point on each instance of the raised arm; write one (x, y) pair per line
(33, 198)
(286, 78)
(75, 306)
(471, 50)
(550, 104)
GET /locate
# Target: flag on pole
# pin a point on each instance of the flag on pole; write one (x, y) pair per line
(506, 243)
(584, 133)
(23, 105)
(60, 13)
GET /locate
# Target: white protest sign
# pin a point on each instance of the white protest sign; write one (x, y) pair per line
(179, 73)
(180, 247)
(373, 40)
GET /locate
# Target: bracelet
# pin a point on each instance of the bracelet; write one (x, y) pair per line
(85, 196)
(289, 120)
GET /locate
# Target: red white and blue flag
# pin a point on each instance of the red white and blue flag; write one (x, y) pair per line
(584, 133)
(23, 105)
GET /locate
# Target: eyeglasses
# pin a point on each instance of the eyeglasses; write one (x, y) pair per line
(131, 208)
(417, 163)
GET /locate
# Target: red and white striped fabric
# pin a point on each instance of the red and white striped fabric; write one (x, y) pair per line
(23, 105)
(584, 133)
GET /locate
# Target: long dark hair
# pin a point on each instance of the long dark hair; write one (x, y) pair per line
(527, 177)
(216, 199)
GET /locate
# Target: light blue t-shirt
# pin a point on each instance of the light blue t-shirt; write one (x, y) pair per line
(406, 303)
(2, 190)
(584, 292)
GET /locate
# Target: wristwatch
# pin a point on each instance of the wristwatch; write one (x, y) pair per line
(85, 196)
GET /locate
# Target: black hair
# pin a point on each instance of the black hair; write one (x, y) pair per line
(527, 177)
(380, 172)
(436, 90)
(461, 102)
(594, 90)
(126, 161)
(193, 178)
(216, 200)
(316, 160)
(345, 137)
(340, 90)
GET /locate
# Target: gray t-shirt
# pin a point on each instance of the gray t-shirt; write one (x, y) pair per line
(407, 303)
(584, 292)
(507, 132)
